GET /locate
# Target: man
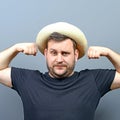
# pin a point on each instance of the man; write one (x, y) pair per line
(61, 93)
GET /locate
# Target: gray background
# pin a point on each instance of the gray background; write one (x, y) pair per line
(21, 20)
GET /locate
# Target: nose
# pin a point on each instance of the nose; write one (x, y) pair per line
(59, 58)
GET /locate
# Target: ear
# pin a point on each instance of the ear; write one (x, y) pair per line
(45, 52)
(76, 54)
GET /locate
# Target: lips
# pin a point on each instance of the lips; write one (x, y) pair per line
(59, 66)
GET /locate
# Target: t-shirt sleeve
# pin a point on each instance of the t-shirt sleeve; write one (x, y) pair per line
(17, 78)
(103, 79)
(20, 78)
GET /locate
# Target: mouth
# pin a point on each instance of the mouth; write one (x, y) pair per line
(60, 66)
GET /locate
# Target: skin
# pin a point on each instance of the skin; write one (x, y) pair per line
(61, 59)
(55, 70)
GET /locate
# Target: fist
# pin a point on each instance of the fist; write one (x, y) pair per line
(27, 48)
(95, 52)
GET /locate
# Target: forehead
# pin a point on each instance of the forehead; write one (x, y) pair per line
(65, 44)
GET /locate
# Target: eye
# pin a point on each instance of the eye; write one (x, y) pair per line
(53, 52)
(65, 53)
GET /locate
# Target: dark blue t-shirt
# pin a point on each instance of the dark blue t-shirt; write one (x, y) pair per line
(72, 98)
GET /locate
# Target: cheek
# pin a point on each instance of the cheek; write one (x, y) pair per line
(69, 61)
(50, 60)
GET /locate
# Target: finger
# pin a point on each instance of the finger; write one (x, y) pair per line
(93, 54)
(97, 55)
(90, 54)
(30, 49)
(27, 51)
(35, 50)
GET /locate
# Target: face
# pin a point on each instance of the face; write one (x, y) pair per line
(60, 58)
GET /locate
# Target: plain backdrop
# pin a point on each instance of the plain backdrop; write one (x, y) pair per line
(21, 20)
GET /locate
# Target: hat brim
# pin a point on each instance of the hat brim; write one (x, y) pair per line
(66, 29)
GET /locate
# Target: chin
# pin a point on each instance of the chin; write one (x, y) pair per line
(61, 75)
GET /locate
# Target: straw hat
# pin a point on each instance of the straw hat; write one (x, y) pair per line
(66, 29)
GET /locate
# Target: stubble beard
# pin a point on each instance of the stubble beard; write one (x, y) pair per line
(69, 70)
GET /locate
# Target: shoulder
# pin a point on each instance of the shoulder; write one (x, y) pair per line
(23, 72)
(23, 69)
(97, 73)
(23, 77)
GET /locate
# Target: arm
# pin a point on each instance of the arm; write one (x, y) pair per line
(96, 52)
(7, 55)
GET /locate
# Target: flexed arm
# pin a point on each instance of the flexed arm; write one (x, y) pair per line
(95, 52)
(8, 55)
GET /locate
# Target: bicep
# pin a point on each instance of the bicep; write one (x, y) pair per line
(116, 82)
(5, 77)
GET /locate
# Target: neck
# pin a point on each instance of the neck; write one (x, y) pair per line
(60, 76)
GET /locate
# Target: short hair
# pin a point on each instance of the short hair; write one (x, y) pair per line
(60, 37)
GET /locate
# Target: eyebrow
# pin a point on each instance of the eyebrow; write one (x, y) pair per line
(52, 49)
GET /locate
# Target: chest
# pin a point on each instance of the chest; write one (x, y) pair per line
(73, 97)
(61, 102)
